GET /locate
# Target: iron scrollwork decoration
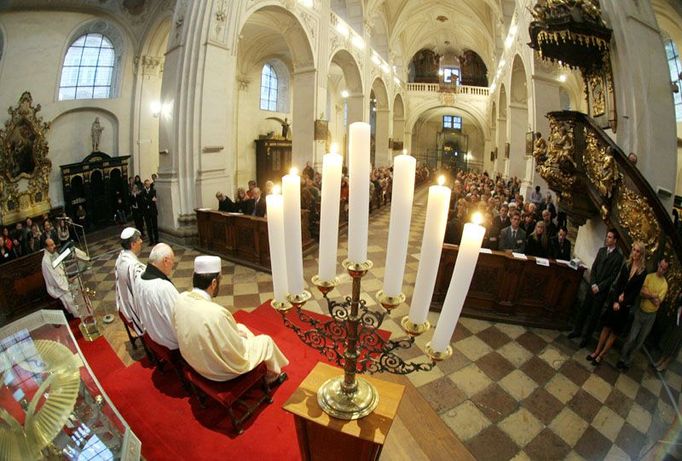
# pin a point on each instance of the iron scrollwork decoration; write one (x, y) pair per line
(23, 156)
(375, 353)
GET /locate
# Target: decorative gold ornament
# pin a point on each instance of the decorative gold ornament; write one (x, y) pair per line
(600, 166)
(558, 168)
(638, 218)
(24, 166)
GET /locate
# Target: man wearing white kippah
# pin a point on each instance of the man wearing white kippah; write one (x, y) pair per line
(128, 268)
(155, 296)
(211, 341)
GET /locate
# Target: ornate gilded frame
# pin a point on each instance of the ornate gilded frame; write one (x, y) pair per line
(24, 166)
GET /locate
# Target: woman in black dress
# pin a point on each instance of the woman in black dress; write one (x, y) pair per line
(622, 296)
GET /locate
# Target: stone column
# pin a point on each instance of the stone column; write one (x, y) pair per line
(383, 153)
(303, 123)
(517, 125)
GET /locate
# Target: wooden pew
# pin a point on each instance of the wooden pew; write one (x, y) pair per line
(22, 288)
(242, 239)
(506, 289)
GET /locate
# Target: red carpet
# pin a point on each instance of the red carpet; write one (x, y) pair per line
(171, 425)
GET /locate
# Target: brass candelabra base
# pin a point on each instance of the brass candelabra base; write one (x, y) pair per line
(352, 339)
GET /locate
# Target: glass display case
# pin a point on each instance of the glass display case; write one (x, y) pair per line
(51, 405)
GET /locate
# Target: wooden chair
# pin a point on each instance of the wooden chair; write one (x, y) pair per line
(229, 393)
(162, 356)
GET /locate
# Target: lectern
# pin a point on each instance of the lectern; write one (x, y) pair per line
(323, 437)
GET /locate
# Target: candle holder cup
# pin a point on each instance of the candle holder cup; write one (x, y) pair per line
(352, 339)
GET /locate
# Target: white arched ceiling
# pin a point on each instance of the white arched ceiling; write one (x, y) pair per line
(351, 11)
(155, 41)
(273, 32)
(379, 33)
(443, 26)
(351, 71)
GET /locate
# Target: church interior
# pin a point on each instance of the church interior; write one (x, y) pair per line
(204, 101)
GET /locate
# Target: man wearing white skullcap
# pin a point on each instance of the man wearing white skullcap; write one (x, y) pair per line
(211, 341)
(155, 296)
(128, 268)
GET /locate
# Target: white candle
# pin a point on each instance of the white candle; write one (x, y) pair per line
(274, 203)
(467, 256)
(291, 193)
(399, 229)
(329, 215)
(432, 246)
(358, 201)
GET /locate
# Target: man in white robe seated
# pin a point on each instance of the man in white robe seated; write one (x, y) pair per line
(128, 268)
(55, 279)
(211, 341)
(155, 296)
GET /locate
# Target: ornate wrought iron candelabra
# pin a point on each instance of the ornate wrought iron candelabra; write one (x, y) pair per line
(351, 338)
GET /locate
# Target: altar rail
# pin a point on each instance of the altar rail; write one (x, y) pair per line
(22, 288)
(511, 290)
(242, 239)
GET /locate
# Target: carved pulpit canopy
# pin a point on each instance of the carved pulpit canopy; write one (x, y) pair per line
(572, 32)
(24, 166)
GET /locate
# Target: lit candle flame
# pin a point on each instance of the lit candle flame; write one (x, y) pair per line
(404, 151)
(441, 180)
(276, 190)
(477, 218)
(293, 171)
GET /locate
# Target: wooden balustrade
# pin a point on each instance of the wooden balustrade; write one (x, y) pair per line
(511, 290)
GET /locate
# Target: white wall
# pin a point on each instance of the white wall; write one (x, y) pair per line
(35, 44)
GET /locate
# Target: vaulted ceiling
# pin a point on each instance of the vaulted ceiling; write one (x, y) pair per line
(400, 28)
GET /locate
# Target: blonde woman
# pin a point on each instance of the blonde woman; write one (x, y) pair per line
(620, 300)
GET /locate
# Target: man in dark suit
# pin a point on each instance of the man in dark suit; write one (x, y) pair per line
(513, 237)
(225, 203)
(499, 222)
(560, 246)
(150, 212)
(604, 270)
(258, 207)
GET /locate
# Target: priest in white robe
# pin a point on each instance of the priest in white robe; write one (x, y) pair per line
(211, 341)
(155, 296)
(55, 279)
(128, 268)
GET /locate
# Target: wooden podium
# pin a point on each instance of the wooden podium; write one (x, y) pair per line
(323, 437)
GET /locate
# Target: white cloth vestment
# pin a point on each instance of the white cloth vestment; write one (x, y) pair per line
(57, 284)
(215, 345)
(154, 303)
(128, 268)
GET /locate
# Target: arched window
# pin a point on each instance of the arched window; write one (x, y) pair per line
(673, 55)
(268, 89)
(88, 68)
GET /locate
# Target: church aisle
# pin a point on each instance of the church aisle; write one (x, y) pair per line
(507, 392)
